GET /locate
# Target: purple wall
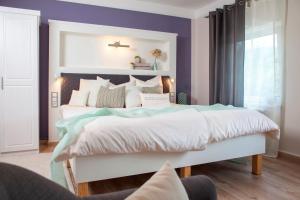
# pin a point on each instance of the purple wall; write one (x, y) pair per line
(51, 9)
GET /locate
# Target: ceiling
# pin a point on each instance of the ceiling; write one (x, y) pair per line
(189, 4)
(179, 8)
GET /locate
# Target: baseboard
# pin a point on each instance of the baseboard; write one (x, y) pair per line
(289, 156)
(47, 142)
(20, 153)
(43, 142)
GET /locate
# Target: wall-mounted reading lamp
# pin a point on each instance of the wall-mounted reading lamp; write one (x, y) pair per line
(118, 44)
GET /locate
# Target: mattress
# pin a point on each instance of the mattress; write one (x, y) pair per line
(67, 111)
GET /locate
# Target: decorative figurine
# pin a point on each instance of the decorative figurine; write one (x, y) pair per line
(138, 64)
(137, 59)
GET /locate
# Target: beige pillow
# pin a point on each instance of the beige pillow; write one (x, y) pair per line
(111, 98)
(152, 90)
(164, 185)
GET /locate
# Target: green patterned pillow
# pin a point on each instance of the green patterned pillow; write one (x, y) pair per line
(111, 98)
(182, 98)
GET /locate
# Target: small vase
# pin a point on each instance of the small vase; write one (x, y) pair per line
(155, 65)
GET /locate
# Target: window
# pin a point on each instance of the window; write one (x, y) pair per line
(262, 77)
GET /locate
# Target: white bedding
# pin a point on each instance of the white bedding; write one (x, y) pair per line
(185, 130)
(67, 111)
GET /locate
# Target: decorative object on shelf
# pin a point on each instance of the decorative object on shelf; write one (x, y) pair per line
(118, 44)
(139, 65)
(137, 59)
(182, 98)
(156, 53)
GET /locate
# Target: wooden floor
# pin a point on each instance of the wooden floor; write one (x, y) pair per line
(280, 180)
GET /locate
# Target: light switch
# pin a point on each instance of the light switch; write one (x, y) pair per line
(54, 99)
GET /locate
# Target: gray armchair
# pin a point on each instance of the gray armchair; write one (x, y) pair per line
(17, 183)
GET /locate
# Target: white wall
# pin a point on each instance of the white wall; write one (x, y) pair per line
(200, 61)
(290, 140)
(87, 50)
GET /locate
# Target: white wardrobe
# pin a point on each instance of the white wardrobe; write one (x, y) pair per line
(19, 86)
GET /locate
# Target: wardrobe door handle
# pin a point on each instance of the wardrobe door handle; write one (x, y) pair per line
(2, 83)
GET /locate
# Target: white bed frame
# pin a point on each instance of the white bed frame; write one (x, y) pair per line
(83, 170)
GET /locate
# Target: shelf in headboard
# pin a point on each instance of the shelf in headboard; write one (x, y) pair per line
(94, 70)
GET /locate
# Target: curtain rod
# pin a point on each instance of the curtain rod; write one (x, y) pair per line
(248, 5)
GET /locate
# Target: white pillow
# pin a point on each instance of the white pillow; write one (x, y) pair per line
(133, 97)
(155, 100)
(128, 84)
(102, 79)
(92, 86)
(93, 96)
(150, 83)
(163, 185)
(79, 98)
(86, 85)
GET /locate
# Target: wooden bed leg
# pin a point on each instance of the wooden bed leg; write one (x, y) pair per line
(83, 189)
(68, 164)
(257, 164)
(185, 172)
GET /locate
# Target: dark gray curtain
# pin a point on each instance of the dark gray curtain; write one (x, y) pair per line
(227, 49)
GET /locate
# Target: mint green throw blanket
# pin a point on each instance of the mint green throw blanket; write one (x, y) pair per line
(69, 129)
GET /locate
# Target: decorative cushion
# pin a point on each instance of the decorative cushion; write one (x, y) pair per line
(79, 98)
(93, 87)
(154, 90)
(102, 79)
(163, 185)
(128, 84)
(111, 98)
(182, 98)
(133, 97)
(132, 94)
(92, 99)
(150, 83)
(155, 100)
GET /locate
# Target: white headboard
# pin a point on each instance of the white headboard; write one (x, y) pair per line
(78, 48)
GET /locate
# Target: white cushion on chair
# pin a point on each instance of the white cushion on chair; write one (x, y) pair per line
(163, 185)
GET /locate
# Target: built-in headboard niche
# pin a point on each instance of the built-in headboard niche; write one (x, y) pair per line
(77, 48)
(81, 48)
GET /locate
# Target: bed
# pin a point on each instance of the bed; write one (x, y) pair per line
(80, 170)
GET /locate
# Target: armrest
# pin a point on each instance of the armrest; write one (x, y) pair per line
(197, 187)
(19, 183)
(200, 188)
(120, 195)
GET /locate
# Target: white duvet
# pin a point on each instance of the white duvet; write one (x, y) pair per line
(185, 130)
